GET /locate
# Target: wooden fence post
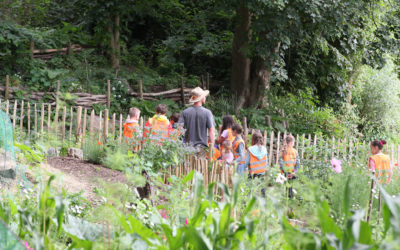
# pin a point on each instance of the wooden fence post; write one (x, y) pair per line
(42, 120)
(15, 113)
(78, 122)
(333, 147)
(48, 118)
(7, 107)
(29, 119)
(271, 147)
(398, 155)
(105, 125)
(91, 126)
(120, 128)
(265, 139)
(113, 125)
(21, 121)
(108, 94)
(392, 153)
(7, 89)
(57, 108)
(84, 123)
(64, 118)
(100, 125)
(315, 146)
(71, 123)
(35, 118)
(278, 141)
(140, 89)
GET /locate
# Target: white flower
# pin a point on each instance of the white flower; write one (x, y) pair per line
(280, 179)
(294, 191)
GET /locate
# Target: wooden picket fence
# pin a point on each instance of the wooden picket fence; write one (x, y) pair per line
(36, 120)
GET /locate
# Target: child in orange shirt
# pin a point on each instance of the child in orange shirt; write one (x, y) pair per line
(131, 126)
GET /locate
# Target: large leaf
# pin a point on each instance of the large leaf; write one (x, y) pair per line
(82, 229)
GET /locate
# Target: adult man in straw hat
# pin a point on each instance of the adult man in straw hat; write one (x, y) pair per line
(198, 122)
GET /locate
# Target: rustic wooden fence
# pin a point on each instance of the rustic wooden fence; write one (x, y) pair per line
(77, 122)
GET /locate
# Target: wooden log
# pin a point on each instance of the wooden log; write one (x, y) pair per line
(48, 118)
(7, 88)
(71, 123)
(78, 122)
(105, 124)
(120, 128)
(108, 94)
(64, 118)
(35, 118)
(29, 119)
(21, 120)
(278, 141)
(140, 89)
(163, 93)
(271, 148)
(42, 120)
(15, 113)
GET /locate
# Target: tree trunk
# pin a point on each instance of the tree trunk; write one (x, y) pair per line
(353, 76)
(240, 77)
(113, 30)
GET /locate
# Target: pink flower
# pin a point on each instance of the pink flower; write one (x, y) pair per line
(337, 165)
(27, 246)
(163, 214)
(186, 222)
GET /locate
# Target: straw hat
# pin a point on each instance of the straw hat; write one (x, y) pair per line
(198, 94)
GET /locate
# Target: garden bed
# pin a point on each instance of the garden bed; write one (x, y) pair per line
(79, 175)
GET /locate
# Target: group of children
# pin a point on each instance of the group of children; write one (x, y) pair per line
(231, 149)
(157, 129)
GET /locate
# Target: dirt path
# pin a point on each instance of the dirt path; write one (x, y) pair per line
(77, 175)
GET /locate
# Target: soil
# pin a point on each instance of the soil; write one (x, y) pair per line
(78, 175)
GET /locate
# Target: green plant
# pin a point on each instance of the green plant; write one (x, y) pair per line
(93, 151)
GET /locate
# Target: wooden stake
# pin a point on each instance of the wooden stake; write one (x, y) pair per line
(297, 141)
(100, 126)
(302, 145)
(315, 146)
(71, 123)
(140, 89)
(15, 113)
(91, 125)
(271, 148)
(208, 81)
(29, 119)
(84, 123)
(64, 118)
(7, 107)
(120, 128)
(48, 118)
(278, 141)
(105, 124)
(333, 147)
(108, 94)
(113, 125)
(7, 89)
(21, 121)
(78, 122)
(392, 153)
(42, 120)
(35, 118)
(265, 138)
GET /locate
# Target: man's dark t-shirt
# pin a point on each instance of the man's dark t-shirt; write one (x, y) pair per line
(197, 120)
